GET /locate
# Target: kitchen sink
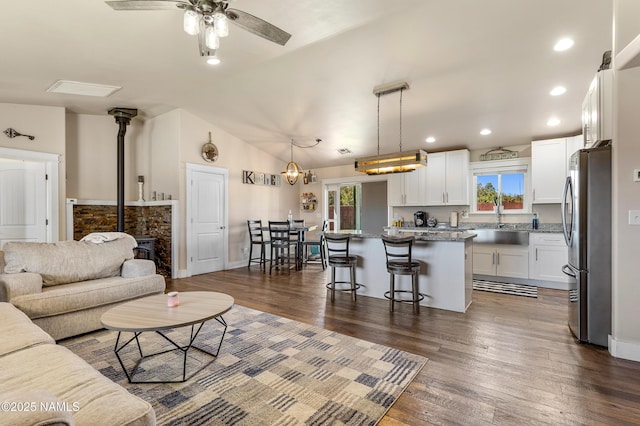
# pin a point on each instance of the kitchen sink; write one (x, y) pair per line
(501, 236)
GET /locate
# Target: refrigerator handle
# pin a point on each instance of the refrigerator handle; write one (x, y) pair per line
(563, 210)
(567, 270)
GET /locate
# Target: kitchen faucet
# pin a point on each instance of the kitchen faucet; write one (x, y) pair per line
(497, 203)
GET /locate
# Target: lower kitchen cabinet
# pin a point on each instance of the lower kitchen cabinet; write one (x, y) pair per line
(547, 254)
(501, 260)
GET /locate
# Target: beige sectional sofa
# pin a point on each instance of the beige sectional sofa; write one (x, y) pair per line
(42, 383)
(65, 287)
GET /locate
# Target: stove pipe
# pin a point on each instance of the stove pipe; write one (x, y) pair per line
(123, 117)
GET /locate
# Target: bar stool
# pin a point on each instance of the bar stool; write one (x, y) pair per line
(338, 257)
(399, 262)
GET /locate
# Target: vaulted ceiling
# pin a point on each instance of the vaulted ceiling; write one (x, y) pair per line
(470, 64)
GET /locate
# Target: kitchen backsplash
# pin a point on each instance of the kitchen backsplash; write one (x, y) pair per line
(547, 213)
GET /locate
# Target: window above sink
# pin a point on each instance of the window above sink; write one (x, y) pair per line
(503, 183)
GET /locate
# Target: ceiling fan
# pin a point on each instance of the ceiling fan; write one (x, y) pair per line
(209, 20)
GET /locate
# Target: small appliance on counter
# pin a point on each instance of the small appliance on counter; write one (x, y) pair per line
(420, 218)
(432, 222)
(453, 220)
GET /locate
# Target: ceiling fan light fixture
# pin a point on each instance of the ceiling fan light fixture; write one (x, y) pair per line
(221, 24)
(191, 22)
(213, 60)
(211, 39)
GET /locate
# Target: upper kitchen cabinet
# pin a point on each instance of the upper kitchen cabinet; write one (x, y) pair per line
(448, 178)
(548, 170)
(407, 189)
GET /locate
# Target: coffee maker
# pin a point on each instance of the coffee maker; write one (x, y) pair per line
(420, 218)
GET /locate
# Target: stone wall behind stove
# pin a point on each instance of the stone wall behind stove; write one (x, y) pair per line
(152, 221)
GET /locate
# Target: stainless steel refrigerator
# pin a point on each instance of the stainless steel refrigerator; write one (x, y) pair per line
(586, 219)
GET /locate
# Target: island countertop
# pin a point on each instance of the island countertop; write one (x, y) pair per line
(420, 235)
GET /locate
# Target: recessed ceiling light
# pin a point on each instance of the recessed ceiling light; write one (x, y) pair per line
(68, 87)
(557, 91)
(430, 139)
(553, 122)
(485, 132)
(563, 44)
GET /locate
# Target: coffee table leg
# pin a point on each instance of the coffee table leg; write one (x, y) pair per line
(117, 350)
(185, 349)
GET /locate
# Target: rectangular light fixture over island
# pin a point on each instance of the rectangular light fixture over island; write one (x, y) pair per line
(397, 162)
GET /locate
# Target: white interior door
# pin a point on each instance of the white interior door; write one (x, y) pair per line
(207, 217)
(23, 201)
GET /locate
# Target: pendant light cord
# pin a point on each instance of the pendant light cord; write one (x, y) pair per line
(401, 90)
(378, 124)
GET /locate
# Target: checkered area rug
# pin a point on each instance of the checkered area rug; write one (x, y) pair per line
(270, 371)
(506, 288)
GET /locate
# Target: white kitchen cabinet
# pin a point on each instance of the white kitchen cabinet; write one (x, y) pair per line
(548, 170)
(547, 254)
(448, 178)
(407, 189)
(501, 260)
(597, 109)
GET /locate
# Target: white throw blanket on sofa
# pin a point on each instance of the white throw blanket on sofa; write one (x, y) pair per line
(103, 237)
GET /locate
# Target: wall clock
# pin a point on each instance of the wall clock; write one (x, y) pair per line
(209, 151)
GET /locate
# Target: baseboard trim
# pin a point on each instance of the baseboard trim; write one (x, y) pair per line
(524, 281)
(624, 350)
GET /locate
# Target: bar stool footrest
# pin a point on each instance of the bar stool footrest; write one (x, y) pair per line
(387, 294)
(344, 286)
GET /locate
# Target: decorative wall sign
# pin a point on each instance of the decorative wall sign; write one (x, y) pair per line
(210, 151)
(499, 154)
(12, 133)
(258, 178)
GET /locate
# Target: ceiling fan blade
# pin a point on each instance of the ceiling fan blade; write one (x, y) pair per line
(147, 4)
(258, 27)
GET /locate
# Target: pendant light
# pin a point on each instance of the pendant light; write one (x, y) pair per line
(292, 171)
(397, 162)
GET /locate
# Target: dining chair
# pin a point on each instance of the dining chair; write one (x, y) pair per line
(320, 244)
(298, 235)
(256, 237)
(281, 245)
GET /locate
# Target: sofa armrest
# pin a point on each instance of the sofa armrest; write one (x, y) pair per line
(13, 285)
(137, 268)
(36, 408)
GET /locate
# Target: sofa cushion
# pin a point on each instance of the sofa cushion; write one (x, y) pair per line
(83, 295)
(18, 332)
(92, 398)
(2, 262)
(68, 261)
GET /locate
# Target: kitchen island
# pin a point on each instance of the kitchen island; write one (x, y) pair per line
(446, 268)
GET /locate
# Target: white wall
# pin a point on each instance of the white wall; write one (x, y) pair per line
(48, 126)
(626, 193)
(92, 147)
(176, 139)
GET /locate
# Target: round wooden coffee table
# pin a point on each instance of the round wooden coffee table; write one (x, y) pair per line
(152, 314)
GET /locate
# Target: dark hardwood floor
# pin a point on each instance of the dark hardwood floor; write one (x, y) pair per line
(508, 360)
